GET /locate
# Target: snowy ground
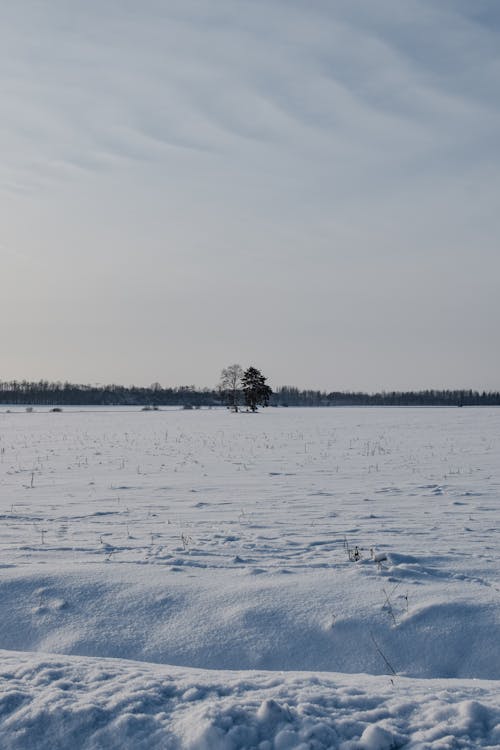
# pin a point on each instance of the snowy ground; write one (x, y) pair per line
(143, 553)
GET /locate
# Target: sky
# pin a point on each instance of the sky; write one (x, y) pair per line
(311, 187)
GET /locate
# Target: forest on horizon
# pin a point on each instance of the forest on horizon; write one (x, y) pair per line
(45, 393)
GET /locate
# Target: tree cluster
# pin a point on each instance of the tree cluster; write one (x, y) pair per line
(249, 385)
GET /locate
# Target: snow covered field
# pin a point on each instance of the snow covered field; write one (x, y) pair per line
(296, 578)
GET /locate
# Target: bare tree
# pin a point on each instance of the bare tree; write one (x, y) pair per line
(230, 385)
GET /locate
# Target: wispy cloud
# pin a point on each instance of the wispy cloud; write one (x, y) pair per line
(349, 149)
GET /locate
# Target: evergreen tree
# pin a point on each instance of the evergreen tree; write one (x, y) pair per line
(255, 389)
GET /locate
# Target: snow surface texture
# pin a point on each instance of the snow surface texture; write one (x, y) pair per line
(351, 553)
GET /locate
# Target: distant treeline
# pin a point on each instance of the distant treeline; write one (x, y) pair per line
(290, 396)
(44, 393)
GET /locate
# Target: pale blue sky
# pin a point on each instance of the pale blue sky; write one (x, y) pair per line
(312, 187)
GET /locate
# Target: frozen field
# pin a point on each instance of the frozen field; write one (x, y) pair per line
(187, 579)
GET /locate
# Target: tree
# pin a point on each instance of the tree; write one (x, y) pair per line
(255, 389)
(230, 384)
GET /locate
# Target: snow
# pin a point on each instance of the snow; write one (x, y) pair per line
(189, 579)
(50, 701)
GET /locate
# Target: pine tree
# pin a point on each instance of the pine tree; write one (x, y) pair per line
(255, 389)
